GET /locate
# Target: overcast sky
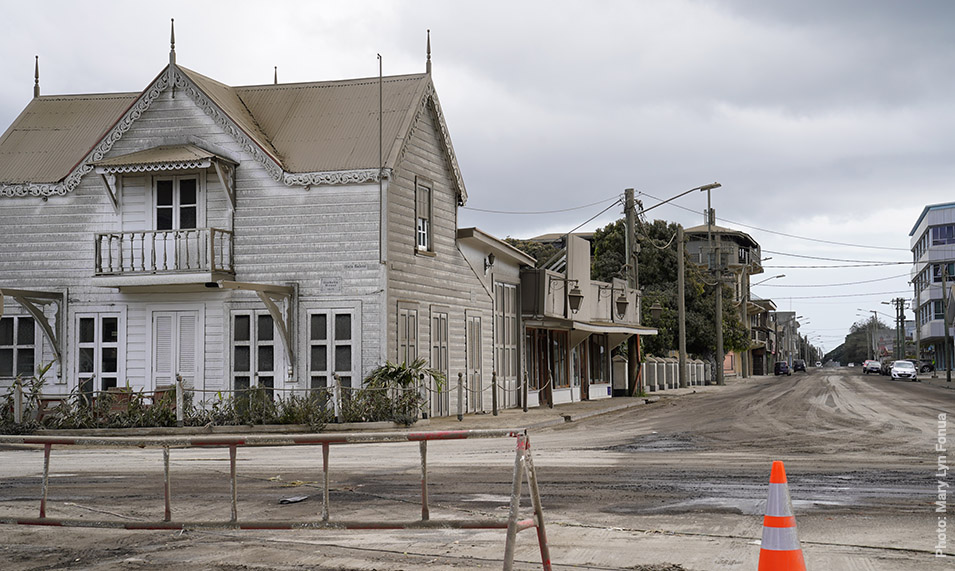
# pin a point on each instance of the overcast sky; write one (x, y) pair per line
(822, 119)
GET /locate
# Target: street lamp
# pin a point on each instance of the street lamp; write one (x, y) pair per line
(875, 320)
(767, 279)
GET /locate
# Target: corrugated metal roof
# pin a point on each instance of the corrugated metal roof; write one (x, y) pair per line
(334, 125)
(54, 133)
(159, 155)
(305, 127)
(228, 100)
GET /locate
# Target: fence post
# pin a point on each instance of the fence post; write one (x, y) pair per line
(426, 397)
(524, 392)
(180, 401)
(494, 392)
(460, 396)
(337, 397)
(18, 402)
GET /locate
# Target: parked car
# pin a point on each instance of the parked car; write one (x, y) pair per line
(886, 367)
(782, 368)
(904, 370)
(851, 365)
(926, 366)
(871, 366)
(799, 365)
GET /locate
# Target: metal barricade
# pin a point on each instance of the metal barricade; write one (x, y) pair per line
(523, 467)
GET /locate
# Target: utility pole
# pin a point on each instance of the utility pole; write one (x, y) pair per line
(948, 341)
(918, 323)
(719, 315)
(681, 301)
(633, 347)
(900, 328)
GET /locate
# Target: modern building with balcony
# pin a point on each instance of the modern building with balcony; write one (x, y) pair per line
(734, 256)
(762, 334)
(932, 240)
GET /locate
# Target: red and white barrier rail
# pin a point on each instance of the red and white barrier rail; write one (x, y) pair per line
(523, 466)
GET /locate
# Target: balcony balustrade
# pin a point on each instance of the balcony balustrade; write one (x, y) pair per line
(197, 250)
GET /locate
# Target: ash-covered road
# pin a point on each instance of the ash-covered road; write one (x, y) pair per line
(679, 484)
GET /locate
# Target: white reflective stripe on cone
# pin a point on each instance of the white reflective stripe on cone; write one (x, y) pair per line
(780, 539)
(778, 503)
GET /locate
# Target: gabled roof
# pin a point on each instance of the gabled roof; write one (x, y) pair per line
(303, 133)
(334, 125)
(54, 133)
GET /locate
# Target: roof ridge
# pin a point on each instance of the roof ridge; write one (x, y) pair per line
(334, 82)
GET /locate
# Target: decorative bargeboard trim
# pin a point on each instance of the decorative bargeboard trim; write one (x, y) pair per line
(181, 81)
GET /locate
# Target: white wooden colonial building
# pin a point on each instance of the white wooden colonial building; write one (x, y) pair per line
(269, 235)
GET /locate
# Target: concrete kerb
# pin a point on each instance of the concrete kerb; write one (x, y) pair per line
(534, 418)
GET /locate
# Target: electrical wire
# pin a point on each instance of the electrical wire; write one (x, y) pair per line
(844, 295)
(788, 235)
(837, 285)
(829, 259)
(615, 198)
(618, 201)
(869, 265)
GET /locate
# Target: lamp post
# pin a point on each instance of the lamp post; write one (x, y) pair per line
(629, 206)
(871, 328)
(767, 279)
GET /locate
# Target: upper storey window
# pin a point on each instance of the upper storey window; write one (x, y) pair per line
(177, 203)
(943, 235)
(423, 209)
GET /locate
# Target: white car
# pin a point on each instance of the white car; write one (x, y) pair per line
(904, 370)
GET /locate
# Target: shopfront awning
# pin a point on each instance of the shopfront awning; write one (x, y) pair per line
(580, 331)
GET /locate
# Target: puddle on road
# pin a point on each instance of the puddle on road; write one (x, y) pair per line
(743, 506)
(654, 442)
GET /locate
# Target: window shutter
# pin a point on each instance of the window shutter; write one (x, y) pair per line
(187, 348)
(162, 341)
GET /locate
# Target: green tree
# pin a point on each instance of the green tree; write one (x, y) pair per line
(657, 275)
(657, 271)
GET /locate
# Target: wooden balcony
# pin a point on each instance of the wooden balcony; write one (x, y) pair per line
(155, 257)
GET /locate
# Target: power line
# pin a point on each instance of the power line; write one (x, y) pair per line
(788, 235)
(595, 216)
(829, 259)
(614, 198)
(845, 295)
(837, 285)
(866, 265)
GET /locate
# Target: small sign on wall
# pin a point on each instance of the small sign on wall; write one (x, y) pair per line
(330, 285)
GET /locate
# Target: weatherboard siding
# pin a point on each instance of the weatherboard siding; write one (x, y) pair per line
(445, 280)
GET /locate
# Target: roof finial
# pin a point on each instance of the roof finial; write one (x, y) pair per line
(172, 41)
(427, 67)
(276, 80)
(36, 78)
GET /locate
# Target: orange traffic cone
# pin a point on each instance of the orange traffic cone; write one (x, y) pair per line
(779, 550)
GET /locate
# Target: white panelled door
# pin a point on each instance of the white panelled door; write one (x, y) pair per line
(176, 347)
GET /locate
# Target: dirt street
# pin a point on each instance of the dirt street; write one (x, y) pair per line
(679, 484)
